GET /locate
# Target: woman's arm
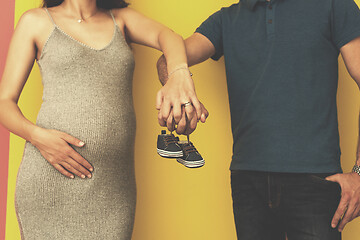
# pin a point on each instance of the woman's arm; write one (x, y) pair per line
(52, 144)
(180, 87)
(198, 49)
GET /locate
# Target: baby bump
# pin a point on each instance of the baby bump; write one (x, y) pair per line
(39, 185)
(108, 131)
(102, 126)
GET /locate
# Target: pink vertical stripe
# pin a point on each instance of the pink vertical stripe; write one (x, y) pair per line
(7, 10)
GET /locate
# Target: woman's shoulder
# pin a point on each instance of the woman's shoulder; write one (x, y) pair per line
(35, 18)
(33, 22)
(123, 12)
(126, 14)
(34, 15)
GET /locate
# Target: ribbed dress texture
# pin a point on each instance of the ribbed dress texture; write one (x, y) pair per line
(87, 94)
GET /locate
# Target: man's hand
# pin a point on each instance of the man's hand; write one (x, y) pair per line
(178, 91)
(349, 206)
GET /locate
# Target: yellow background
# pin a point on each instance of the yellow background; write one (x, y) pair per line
(176, 203)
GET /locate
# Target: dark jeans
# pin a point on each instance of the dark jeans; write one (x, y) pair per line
(269, 206)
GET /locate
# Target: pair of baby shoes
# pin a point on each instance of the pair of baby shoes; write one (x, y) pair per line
(169, 146)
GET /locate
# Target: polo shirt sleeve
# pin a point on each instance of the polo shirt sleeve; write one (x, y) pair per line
(211, 28)
(345, 22)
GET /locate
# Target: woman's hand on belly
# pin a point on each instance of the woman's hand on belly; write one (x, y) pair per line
(55, 147)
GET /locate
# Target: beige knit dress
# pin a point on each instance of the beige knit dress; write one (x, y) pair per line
(87, 94)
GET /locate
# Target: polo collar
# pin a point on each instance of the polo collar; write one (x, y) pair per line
(251, 3)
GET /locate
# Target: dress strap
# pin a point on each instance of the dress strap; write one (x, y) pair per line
(112, 15)
(52, 20)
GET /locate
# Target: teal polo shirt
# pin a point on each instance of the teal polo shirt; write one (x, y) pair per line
(281, 61)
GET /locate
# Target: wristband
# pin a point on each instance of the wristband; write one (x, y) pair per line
(356, 169)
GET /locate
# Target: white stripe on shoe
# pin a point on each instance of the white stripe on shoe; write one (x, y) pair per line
(191, 164)
(165, 153)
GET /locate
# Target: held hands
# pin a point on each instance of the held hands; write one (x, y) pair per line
(55, 148)
(187, 123)
(349, 206)
(178, 104)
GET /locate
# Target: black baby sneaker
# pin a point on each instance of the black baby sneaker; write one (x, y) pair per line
(191, 157)
(167, 145)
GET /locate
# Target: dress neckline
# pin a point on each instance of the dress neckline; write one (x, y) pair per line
(86, 45)
(79, 42)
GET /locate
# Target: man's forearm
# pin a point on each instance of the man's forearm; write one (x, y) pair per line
(358, 146)
(351, 55)
(162, 70)
(357, 80)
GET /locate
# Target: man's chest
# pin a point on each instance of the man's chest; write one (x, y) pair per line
(287, 25)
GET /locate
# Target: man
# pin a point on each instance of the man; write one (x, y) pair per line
(282, 73)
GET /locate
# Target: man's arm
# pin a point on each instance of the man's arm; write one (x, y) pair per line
(351, 55)
(198, 49)
(349, 206)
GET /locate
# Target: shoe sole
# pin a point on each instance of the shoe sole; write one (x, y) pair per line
(168, 154)
(191, 164)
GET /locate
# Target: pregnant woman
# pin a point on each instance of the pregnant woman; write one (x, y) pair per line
(76, 179)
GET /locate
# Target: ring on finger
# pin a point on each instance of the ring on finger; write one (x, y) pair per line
(187, 104)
